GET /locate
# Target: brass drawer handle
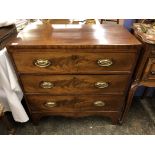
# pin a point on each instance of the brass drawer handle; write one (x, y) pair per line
(50, 104)
(153, 72)
(99, 103)
(46, 85)
(101, 84)
(42, 63)
(104, 62)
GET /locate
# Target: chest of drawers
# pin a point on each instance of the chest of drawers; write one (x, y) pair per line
(74, 70)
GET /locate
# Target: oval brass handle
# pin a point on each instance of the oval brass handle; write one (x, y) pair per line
(101, 84)
(50, 104)
(99, 103)
(42, 63)
(104, 62)
(46, 84)
(153, 72)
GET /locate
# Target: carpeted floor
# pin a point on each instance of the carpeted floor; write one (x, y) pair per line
(138, 122)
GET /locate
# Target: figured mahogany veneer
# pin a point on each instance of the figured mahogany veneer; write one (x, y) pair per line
(74, 61)
(75, 70)
(75, 84)
(75, 103)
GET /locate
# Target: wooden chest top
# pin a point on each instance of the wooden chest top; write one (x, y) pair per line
(38, 35)
(75, 70)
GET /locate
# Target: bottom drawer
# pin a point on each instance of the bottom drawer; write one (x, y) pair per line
(75, 103)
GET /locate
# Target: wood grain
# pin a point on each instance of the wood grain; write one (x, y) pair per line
(38, 35)
(74, 103)
(78, 61)
(73, 52)
(75, 84)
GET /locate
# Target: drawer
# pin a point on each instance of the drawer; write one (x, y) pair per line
(68, 62)
(152, 50)
(75, 84)
(149, 71)
(75, 103)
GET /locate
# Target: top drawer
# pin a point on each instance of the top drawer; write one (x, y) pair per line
(79, 61)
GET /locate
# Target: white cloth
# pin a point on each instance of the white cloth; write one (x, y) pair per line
(10, 91)
(4, 22)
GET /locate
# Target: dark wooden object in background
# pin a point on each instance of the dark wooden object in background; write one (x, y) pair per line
(75, 70)
(145, 72)
(7, 34)
(6, 121)
(110, 20)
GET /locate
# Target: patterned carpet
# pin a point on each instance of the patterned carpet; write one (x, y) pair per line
(137, 123)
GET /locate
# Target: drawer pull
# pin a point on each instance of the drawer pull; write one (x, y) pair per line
(46, 85)
(99, 103)
(50, 104)
(42, 63)
(153, 72)
(104, 62)
(101, 85)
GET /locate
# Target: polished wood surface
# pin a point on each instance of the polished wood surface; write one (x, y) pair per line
(79, 36)
(75, 103)
(75, 70)
(75, 84)
(80, 61)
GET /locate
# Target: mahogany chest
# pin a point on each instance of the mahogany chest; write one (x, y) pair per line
(75, 70)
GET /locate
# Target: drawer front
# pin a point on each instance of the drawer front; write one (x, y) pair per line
(100, 103)
(152, 50)
(75, 103)
(74, 62)
(75, 84)
(51, 103)
(149, 71)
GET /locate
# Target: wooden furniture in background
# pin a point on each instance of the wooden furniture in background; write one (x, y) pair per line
(109, 20)
(75, 70)
(145, 72)
(7, 33)
(70, 21)
(56, 21)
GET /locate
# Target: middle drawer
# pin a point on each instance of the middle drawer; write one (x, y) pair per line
(75, 84)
